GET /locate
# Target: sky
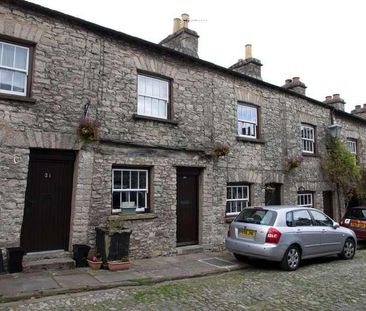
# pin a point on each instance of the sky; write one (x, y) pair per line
(321, 41)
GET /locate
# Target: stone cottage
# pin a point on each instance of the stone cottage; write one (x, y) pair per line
(183, 144)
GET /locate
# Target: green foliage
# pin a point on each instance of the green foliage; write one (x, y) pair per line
(342, 168)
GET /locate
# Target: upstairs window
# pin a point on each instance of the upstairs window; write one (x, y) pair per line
(247, 120)
(14, 68)
(130, 190)
(305, 199)
(308, 138)
(237, 198)
(352, 145)
(153, 97)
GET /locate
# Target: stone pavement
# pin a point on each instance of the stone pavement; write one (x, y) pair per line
(18, 286)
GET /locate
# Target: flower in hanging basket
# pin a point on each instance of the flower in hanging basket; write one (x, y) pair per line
(221, 150)
(88, 129)
(294, 161)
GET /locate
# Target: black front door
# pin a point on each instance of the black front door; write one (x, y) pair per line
(328, 203)
(187, 206)
(273, 194)
(47, 209)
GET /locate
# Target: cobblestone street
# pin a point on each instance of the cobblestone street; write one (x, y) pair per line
(323, 284)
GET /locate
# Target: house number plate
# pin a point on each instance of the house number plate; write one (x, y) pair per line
(47, 175)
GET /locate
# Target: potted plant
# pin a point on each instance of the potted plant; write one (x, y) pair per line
(88, 129)
(221, 150)
(95, 262)
(294, 161)
(113, 242)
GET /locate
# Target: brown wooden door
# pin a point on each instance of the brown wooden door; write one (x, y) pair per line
(187, 206)
(328, 203)
(46, 221)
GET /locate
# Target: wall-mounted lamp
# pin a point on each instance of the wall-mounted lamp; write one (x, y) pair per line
(334, 130)
(301, 188)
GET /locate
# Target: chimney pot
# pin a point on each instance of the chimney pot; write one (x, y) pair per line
(364, 105)
(358, 106)
(185, 20)
(328, 98)
(296, 79)
(287, 81)
(248, 51)
(177, 24)
(335, 96)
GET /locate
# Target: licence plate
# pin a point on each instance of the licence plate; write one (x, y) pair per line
(247, 233)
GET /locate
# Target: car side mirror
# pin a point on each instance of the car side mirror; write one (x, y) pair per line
(335, 225)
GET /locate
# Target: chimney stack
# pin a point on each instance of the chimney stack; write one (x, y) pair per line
(335, 101)
(182, 39)
(359, 111)
(295, 85)
(249, 66)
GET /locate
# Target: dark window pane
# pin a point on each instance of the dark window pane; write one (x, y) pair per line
(117, 179)
(126, 180)
(116, 200)
(142, 180)
(134, 179)
(141, 199)
(257, 216)
(133, 198)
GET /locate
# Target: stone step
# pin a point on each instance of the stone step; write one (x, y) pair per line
(189, 249)
(63, 263)
(46, 255)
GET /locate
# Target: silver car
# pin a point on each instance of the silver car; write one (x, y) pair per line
(288, 234)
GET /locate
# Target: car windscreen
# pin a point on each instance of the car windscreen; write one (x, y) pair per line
(257, 216)
(357, 213)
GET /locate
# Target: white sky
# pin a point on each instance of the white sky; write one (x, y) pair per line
(321, 41)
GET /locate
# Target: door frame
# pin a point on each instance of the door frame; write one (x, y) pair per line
(193, 171)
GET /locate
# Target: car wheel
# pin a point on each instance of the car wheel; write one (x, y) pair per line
(349, 249)
(291, 259)
(240, 257)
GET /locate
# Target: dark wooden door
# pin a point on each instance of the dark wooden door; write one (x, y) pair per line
(187, 206)
(46, 221)
(328, 203)
(273, 194)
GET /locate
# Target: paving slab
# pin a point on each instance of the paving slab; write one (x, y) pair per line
(105, 276)
(24, 285)
(76, 280)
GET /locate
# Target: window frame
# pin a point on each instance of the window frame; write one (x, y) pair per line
(30, 46)
(257, 124)
(308, 194)
(305, 139)
(352, 141)
(244, 199)
(146, 189)
(169, 106)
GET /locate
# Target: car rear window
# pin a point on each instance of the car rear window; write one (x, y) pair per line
(257, 216)
(358, 213)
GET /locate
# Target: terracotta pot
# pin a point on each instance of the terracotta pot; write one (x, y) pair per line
(118, 265)
(95, 265)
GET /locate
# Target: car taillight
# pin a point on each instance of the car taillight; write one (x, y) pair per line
(273, 236)
(228, 232)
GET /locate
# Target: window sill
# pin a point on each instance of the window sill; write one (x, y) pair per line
(17, 98)
(310, 155)
(250, 140)
(147, 118)
(137, 216)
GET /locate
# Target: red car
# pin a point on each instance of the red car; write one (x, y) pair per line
(355, 219)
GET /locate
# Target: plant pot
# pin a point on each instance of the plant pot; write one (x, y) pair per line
(94, 265)
(118, 265)
(112, 246)
(15, 259)
(80, 254)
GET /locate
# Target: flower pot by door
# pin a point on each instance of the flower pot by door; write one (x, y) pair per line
(94, 265)
(118, 265)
